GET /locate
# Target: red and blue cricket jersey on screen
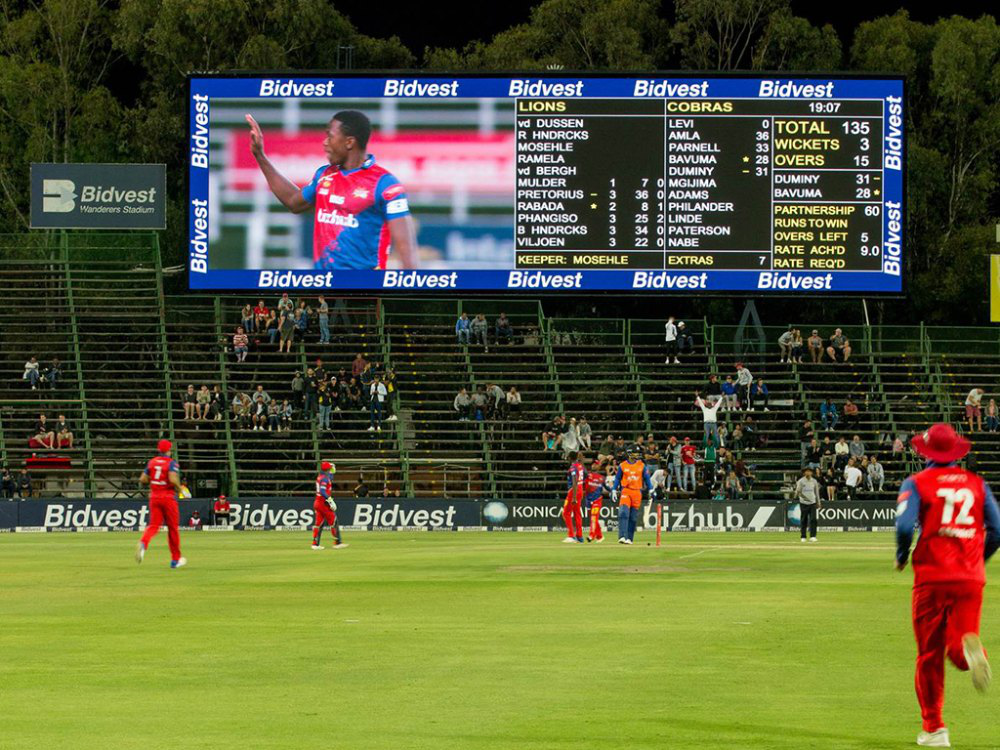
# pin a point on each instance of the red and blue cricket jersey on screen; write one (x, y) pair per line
(959, 524)
(158, 470)
(353, 211)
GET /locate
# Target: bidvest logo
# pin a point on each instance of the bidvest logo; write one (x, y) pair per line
(59, 196)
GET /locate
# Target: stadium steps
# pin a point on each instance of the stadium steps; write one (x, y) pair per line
(118, 313)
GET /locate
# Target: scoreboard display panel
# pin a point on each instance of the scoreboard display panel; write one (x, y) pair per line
(677, 183)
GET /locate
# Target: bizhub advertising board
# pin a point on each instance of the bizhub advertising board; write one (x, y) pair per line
(661, 183)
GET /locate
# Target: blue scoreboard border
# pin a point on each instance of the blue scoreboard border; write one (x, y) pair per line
(371, 84)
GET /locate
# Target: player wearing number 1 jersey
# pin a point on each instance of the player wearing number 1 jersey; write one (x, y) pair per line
(360, 210)
(959, 530)
(163, 477)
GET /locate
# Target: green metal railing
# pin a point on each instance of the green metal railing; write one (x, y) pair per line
(402, 426)
(234, 482)
(164, 347)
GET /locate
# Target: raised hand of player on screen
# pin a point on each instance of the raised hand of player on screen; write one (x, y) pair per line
(256, 137)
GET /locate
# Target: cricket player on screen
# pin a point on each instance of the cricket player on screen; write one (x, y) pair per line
(959, 530)
(360, 210)
(631, 481)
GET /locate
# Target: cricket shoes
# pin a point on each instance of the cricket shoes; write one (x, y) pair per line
(628, 541)
(598, 540)
(179, 562)
(340, 545)
(317, 546)
(978, 665)
(803, 540)
(569, 540)
(934, 739)
(622, 540)
(812, 539)
(140, 552)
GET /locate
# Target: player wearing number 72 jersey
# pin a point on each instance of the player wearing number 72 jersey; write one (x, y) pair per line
(959, 530)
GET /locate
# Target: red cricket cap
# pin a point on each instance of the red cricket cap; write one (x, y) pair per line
(325, 466)
(164, 446)
(222, 497)
(941, 444)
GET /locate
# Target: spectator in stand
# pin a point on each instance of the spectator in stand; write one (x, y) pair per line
(973, 409)
(324, 320)
(513, 402)
(260, 316)
(24, 489)
(850, 414)
(271, 324)
(504, 330)
(311, 389)
(259, 414)
(898, 448)
(194, 522)
(463, 329)
(240, 344)
(389, 380)
(876, 475)
(651, 451)
(319, 371)
(761, 395)
(354, 401)
(298, 390)
(814, 454)
(607, 450)
(301, 325)
(246, 317)
(670, 341)
(842, 453)
(190, 400)
(378, 394)
(221, 511)
(285, 416)
(285, 304)
(358, 365)
(798, 350)
(688, 452)
(479, 329)
(287, 332)
(31, 373)
(744, 379)
(723, 435)
(738, 442)
(709, 413)
(243, 406)
(325, 404)
(992, 416)
(672, 454)
(8, 484)
(53, 373)
(750, 435)
(732, 487)
(806, 433)
(497, 401)
(729, 393)
(827, 455)
(828, 415)
(815, 343)
(361, 489)
(203, 402)
(830, 484)
(839, 349)
(585, 432)
(685, 341)
(570, 442)
(785, 345)
(64, 435)
(713, 388)
(217, 404)
(852, 479)
(479, 399)
(259, 392)
(857, 448)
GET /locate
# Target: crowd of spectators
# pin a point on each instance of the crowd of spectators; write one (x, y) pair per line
(793, 349)
(476, 332)
(487, 403)
(288, 322)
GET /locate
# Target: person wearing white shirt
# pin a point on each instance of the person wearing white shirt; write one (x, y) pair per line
(852, 479)
(378, 394)
(710, 413)
(671, 341)
(972, 408)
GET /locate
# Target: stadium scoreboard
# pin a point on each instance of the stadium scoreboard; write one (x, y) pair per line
(686, 183)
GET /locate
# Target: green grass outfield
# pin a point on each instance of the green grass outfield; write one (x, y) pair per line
(466, 640)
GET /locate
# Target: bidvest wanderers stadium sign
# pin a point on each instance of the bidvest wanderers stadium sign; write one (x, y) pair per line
(98, 196)
(443, 515)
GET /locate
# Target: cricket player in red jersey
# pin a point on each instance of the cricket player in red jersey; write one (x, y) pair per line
(959, 530)
(576, 478)
(325, 507)
(163, 476)
(593, 497)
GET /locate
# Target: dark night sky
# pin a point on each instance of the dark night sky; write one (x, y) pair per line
(453, 23)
